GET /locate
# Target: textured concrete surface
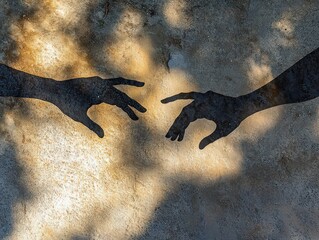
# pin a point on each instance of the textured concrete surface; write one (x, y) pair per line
(58, 180)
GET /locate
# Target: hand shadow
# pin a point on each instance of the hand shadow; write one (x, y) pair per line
(297, 84)
(73, 97)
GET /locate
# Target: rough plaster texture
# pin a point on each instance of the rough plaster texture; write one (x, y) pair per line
(58, 180)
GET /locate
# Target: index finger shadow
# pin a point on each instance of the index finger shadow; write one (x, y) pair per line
(180, 96)
(119, 81)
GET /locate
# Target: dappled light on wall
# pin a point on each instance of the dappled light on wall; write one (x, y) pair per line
(176, 14)
(284, 33)
(259, 73)
(47, 53)
(83, 186)
(131, 57)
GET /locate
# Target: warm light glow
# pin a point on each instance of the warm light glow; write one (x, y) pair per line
(284, 36)
(258, 73)
(284, 25)
(131, 57)
(175, 14)
(49, 54)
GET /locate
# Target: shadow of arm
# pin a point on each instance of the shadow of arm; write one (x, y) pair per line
(299, 83)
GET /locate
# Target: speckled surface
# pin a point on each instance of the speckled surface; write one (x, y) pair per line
(58, 180)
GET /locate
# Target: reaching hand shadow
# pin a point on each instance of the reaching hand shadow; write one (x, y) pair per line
(297, 84)
(74, 97)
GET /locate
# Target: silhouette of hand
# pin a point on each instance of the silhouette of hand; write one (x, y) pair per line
(227, 112)
(74, 97)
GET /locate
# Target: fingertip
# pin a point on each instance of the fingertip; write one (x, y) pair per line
(143, 110)
(124, 81)
(134, 83)
(201, 147)
(140, 84)
(99, 132)
(169, 99)
(95, 128)
(180, 138)
(203, 144)
(166, 100)
(174, 137)
(134, 118)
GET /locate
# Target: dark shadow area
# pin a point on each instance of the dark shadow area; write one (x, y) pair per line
(297, 84)
(136, 158)
(179, 216)
(85, 236)
(80, 238)
(12, 187)
(73, 97)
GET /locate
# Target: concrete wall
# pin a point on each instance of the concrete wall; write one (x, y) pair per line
(58, 180)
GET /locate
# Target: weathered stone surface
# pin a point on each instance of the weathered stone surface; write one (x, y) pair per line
(58, 180)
